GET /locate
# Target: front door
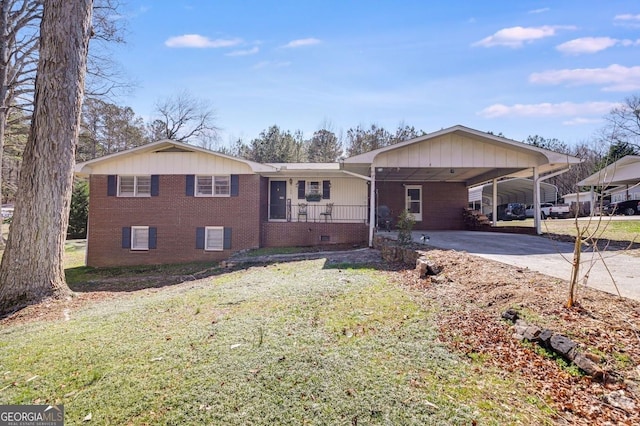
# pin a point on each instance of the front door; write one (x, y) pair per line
(413, 203)
(278, 200)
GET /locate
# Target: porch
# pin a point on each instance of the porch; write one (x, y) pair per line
(315, 212)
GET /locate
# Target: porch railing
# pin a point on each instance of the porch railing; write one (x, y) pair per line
(340, 213)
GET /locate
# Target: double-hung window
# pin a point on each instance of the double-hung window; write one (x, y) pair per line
(139, 238)
(214, 238)
(134, 186)
(213, 186)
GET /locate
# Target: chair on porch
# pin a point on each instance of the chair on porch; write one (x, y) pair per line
(302, 211)
(327, 212)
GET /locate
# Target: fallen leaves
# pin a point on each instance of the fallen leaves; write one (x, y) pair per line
(475, 293)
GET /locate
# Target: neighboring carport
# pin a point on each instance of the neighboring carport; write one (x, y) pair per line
(511, 191)
(624, 174)
(443, 165)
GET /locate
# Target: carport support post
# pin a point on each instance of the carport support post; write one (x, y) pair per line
(536, 201)
(494, 203)
(372, 204)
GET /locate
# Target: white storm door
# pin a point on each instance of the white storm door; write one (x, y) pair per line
(413, 203)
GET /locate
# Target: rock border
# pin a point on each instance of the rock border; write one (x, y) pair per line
(556, 343)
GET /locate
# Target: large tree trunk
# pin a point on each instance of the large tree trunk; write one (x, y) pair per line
(32, 265)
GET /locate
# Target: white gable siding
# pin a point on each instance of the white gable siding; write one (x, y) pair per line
(171, 163)
(456, 151)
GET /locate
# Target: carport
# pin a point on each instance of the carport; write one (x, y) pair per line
(622, 175)
(511, 191)
(430, 175)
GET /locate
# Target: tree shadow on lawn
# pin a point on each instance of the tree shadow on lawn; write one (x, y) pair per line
(85, 279)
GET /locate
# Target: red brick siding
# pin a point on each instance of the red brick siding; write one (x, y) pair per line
(442, 203)
(286, 234)
(176, 217)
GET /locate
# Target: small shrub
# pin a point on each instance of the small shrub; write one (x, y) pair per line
(405, 226)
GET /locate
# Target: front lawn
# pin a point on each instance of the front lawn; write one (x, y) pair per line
(289, 343)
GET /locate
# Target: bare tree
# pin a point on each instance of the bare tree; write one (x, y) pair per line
(624, 122)
(32, 264)
(105, 77)
(184, 118)
(18, 48)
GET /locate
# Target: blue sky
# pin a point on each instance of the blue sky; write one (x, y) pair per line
(518, 67)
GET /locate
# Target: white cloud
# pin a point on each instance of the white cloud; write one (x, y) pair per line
(614, 78)
(627, 20)
(198, 41)
(627, 17)
(518, 36)
(578, 121)
(246, 52)
(302, 42)
(586, 45)
(547, 109)
(542, 10)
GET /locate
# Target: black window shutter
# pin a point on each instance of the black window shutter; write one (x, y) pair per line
(126, 237)
(226, 245)
(235, 185)
(155, 185)
(191, 182)
(301, 188)
(153, 237)
(326, 189)
(200, 238)
(112, 185)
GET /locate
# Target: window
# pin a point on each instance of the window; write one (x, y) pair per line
(139, 238)
(214, 238)
(314, 187)
(134, 186)
(213, 186)
(413, 201)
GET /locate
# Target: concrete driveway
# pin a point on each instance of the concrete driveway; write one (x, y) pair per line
(546, 256)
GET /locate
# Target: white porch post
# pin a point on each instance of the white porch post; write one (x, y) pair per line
(536, 201)
(494, 203)
(372, 205)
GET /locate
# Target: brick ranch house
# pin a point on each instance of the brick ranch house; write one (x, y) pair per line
(170, 202)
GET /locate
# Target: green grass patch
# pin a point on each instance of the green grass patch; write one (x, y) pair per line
(604, 227)
(289, 343)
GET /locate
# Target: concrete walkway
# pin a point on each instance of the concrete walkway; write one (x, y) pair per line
(543, 255)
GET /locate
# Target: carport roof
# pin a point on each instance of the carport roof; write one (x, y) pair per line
(458, 154)
(515, 191)
(625, 171)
